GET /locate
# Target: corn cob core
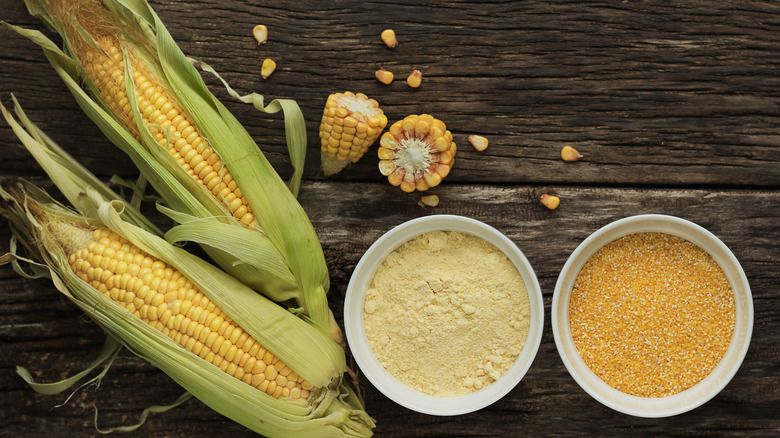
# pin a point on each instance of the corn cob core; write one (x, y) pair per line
(166, 300)
(416, 153)
(171, 128)
(351, 123)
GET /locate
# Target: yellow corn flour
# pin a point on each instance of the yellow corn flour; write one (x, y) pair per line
(447, 313)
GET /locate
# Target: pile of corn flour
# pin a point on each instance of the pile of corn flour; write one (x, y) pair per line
(447, 313)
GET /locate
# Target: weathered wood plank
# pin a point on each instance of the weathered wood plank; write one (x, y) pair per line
(51, 337)
(653, 93)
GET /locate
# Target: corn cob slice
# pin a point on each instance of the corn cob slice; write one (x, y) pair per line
(166, 300)
(160, 287)
(351, 123)
(416, 153)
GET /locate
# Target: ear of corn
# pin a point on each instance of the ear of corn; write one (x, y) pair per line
(121, 50)
(143, 291)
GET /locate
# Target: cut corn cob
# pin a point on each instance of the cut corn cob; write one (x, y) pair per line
(351, 123)
(241, 354)
(416, 153)
(166, 300)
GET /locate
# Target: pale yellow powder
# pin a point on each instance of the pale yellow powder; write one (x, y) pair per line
(447, 313)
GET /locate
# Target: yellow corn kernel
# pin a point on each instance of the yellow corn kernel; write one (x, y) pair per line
(568, 153)
(269, 65)
(388, 37)
(350, 124)
(415, 79)
(479, 142)
(165, 311)
(430, 200)
(550, 201)
(384, 76)
(261, 34)
(416, 153)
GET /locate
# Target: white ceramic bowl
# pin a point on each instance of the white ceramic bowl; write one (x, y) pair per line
(386, 382)
(702, 391)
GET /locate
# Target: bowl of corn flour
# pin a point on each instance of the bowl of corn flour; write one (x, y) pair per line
(444, 315)
(652, 315)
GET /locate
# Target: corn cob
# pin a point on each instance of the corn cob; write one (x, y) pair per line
(351, 123)
(165, 119)
(114, 50)
(166, 300)
(416, 153)
(189, 318)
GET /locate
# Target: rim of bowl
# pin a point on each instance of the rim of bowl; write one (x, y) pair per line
(388, 384)
(690, 398)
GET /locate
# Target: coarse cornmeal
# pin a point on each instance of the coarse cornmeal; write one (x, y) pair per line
(447, 313)
(651, 314)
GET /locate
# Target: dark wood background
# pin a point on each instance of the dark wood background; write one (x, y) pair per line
(675, 106)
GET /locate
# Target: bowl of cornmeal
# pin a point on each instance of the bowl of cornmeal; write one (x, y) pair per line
(652, 315)
(444, 315)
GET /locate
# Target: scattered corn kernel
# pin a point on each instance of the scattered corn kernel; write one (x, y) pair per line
(651, 314)
(269, 65)
(416, 153)
(550, 201)
(415, 79)
(568, 153)
(351, 123)
(430, 200)
(261, 33)
(384, 76)
(388, 36)
(479, 142)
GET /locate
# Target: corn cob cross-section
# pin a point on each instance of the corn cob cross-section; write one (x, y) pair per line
(416, 153)
(351, 123)
(166, 300)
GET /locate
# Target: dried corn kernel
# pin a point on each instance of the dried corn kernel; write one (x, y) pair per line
(384, 76)
(568, 153)
(430, 200)
(550, 201)
(416, 153)
(479, 142)
(268, 67)
(351, 123)
(261, 34)
(388, 36)
(415, 79)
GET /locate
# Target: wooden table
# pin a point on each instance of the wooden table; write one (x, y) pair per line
(674, 105)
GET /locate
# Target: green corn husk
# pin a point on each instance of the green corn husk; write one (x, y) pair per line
(285, 234)
(330, 411)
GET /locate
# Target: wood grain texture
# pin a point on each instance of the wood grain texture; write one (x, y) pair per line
(653, 93)
(674, 105)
